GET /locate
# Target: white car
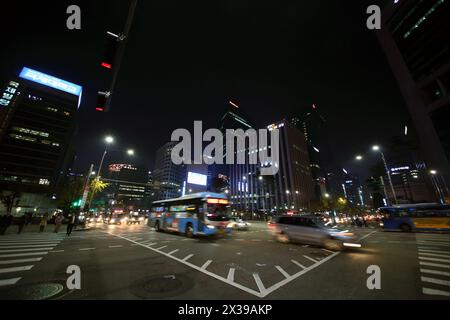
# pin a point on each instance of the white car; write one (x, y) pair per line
(239, 224)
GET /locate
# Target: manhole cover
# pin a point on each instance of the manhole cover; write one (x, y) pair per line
(41, 291)
(161, 286)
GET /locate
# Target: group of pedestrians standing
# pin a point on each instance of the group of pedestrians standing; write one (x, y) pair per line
(7, 220)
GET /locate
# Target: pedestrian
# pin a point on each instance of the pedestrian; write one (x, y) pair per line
(28, 217)
(6, 221)
(71, 224)
(58, 222)
(43, 223)
(21, 223)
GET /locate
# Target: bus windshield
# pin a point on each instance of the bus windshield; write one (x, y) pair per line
(218, 212)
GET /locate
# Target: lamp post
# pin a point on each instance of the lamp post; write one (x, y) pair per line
(108, 140)
(436, 186)
(388, 173)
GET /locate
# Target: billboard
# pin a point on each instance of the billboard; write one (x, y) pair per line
(197, 179)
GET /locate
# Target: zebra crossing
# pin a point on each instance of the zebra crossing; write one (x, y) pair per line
(20, 253)
(434, 263)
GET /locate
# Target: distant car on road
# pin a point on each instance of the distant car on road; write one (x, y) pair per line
(239, 224)
(135, 219)
(310, 229)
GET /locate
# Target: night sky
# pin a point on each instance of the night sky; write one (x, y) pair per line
(186, 59)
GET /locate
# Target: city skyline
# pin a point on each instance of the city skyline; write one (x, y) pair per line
(306, 78)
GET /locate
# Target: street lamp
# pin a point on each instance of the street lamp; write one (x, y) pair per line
(359, 158)
(108, 140)
(388, 173)
(130, 152)
(436, 186)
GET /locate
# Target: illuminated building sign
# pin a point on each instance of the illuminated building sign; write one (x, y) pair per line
(197, 179)
(399, 169)
(9, 94)
(50, 81)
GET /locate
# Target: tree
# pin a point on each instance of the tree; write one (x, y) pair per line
(69, 191)
(9, 200)
(96, 186)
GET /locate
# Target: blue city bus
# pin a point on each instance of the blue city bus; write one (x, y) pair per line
(416, 217)
(202, 213)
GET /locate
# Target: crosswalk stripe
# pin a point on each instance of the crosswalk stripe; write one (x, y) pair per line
(435, 281)
(434, 243)
(28, 244)
(20, 261)
(435, 292)
(16, 269)
(26, 250)
(433, 259)
(435, 254)
(24, 247)
(435, 251)
(431, 264)
(9, 282)
(22, 254)
(441, 273)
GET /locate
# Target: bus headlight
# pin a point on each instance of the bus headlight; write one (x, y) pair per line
(210, 227)
(381, 224)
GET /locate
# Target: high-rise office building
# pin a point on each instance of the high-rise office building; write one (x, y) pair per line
(414, 36)
(290, 189)
(313, 125)
(37, 123)
(167, 177)
(128, 184)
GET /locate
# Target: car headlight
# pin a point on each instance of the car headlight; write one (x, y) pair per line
(141, 219)
(210, 227)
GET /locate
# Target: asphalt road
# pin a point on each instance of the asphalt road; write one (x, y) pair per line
(135, 262)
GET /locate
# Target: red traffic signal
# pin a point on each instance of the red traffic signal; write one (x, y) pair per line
(109, 55)
(102, 102)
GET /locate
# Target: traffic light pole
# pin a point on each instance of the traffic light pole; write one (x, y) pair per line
(122, 39)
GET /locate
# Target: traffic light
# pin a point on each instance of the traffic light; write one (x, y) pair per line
(102, 101)
(109, 55)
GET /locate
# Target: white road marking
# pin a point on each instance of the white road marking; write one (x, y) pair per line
(435, 281)
(26, 243)
(25, 250)
(206, 264)
(22, 247)
(9, 282)
(435, 292)
(20, 261)
(151, 244)
(367, 235)
(260, 294)
(441, 273)
(161, 247)
(435, 251)
(117, 246)
(433, 259)
(310, 259)
(174, 251)
(440, 244)
(22, 254)
(298, 264)
(435, 254)
(259, 283)
(284, 273)
(329, 251)
(16, 269)
(188, 257)
(56, 251)
(434, 264)
(86, 249)
(230, 277)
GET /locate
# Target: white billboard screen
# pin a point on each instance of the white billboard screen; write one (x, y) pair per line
(197, 179)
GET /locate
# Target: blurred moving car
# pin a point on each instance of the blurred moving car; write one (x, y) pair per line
(309, 229)
(239, 224)
(135, 219)
(115, 219)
